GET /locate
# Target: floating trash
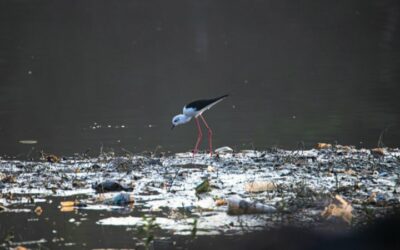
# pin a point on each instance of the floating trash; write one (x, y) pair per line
(203, 187)
(120, 199)
(256, 187)
(322, 145)
(378, 152)
(178, 189)
(38, 211)
(110, 186)
(237, 205)
(69, 206)
(221, 202)
(342, 210)
(28, 141)
(223, 150)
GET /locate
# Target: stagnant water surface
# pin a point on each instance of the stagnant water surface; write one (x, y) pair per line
(76, 75)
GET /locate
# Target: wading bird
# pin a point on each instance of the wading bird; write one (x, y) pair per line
(195, 109)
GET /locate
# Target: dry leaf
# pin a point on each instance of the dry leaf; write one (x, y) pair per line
(101, 197)
(256, 187)
(350, 172)
(345, 148)
(221, 202)
(210, 169)
(67, 203)
(20, 248)
(38, 211)
(372, 197)
(8, 178)
(342, 210)
(67, 209)
(322, 145)
(378, 152)
(53, 159)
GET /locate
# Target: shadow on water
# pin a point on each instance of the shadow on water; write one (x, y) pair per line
(380, 235)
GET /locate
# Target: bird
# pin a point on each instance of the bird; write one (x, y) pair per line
(195, 110)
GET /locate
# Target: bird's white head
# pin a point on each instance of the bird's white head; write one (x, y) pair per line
(180, 119)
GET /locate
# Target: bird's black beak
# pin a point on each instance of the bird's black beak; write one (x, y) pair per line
(173, 126)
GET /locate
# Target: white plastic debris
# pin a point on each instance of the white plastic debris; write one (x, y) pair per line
(237, 205)
(224, 150)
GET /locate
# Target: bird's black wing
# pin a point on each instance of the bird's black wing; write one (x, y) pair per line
(201, 104)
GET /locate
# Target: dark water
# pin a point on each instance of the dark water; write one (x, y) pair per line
(297, 71)
(56, 230)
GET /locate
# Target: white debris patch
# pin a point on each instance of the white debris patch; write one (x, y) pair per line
(228, 192)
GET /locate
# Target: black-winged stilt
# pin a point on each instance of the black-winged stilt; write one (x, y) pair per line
(196, 109)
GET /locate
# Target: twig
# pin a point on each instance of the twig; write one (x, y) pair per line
(101, 149)
(301, 145)
(380, 140)
(30, 152)
(127, 151)
(155, 150)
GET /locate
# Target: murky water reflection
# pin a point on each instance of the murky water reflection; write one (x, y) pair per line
(297, 72)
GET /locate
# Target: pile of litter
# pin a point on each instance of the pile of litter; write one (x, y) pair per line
(230, 193)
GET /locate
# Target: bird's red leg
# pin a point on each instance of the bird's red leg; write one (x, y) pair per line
(209, 133)
(199, 136)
